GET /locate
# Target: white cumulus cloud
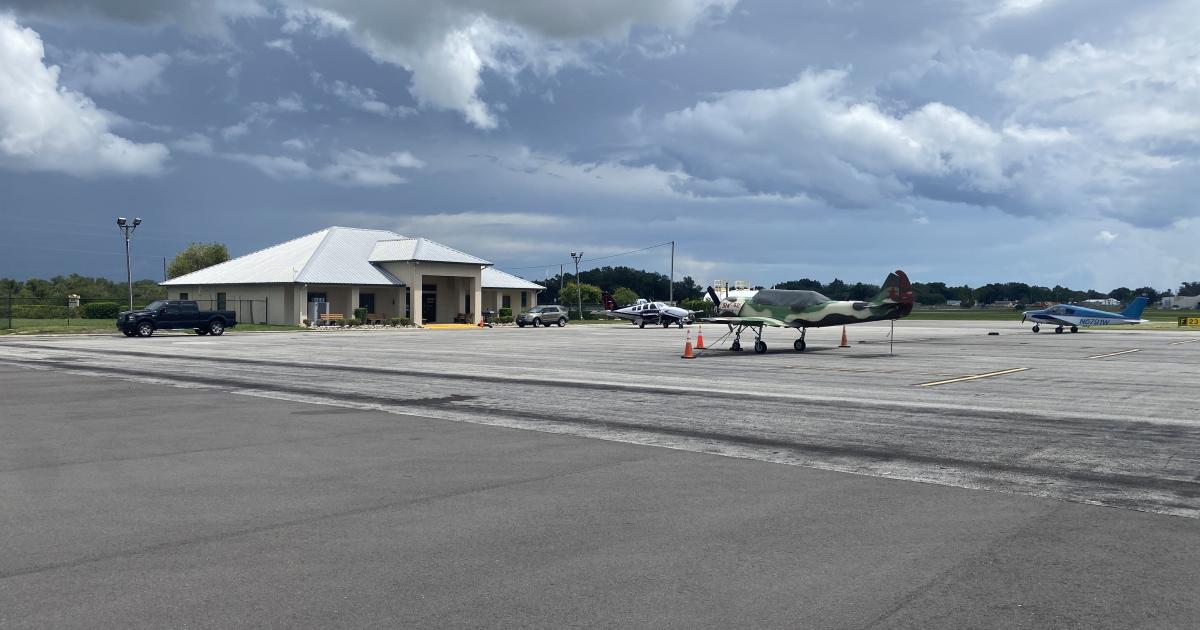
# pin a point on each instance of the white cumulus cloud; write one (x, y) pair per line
(47, 127)
(116, 73)
(448, 45)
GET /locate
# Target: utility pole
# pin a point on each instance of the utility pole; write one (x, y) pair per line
(578, 293)
(127, 228)
(671, 289)
(560, 282)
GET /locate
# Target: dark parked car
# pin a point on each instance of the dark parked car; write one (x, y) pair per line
(543, 316)
(174, 315)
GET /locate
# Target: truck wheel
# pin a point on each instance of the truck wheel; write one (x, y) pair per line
(520, 324)
(216, 328)
(537, 322)
(145, 329)
(201, 331)
(562, 321)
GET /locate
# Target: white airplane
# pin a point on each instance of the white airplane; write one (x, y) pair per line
(644, 312)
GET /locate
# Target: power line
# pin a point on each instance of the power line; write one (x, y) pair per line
(632, 251)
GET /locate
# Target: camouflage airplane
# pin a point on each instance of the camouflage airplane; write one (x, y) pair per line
(808, 309)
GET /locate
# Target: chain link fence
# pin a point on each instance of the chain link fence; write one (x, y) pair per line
(68, 309)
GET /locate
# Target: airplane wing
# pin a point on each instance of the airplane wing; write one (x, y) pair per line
(747, 321)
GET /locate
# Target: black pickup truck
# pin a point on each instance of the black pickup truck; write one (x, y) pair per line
(174, 315)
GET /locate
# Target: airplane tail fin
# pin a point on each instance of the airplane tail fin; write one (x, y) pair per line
(609, 303)
(895, 290)
(1135, 308)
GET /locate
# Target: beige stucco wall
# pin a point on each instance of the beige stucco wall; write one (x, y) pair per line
(493, 299)
(259, 303)
(454, 282)
(288, 303)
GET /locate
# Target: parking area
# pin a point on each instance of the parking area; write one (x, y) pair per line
(589, 476)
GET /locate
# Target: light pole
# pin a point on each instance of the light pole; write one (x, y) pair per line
(127, 228)
(578, 293)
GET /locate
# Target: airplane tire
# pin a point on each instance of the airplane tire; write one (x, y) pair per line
(799, 345)
(666, 324)
(1074, 329)
(1058, 331)
(736, 347)
(641, 324)
(1037, 329)
(760, 347)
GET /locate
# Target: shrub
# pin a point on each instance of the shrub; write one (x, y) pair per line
(504, 319)
(304, 322)
(354, 322)
(505, 312)
(99, 310)
(360, 314)
(406, 321)
(39, 311)
(395, 321)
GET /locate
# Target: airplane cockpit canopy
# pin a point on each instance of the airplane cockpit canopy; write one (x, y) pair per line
(788, 298)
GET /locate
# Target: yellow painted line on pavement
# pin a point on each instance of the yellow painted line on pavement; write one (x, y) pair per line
(973, 377)
(1113, 354)
(1176, 343)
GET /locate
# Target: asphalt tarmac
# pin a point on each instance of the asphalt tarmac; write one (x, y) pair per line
(391, 479)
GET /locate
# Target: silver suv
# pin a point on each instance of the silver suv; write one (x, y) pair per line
(543, 316)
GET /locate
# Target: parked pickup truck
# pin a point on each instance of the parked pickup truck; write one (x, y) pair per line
(174, 315)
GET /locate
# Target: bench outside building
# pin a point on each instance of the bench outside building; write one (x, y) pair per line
(338, 269)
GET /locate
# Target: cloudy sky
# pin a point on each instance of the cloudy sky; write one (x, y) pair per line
(966, 141)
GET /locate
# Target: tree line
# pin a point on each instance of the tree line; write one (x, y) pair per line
(627, 284)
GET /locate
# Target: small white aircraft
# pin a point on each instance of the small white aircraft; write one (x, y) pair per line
(644, 312)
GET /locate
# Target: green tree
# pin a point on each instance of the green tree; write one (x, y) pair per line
(197, 256)
(1189, 288)
(624, 297)
(573, 294)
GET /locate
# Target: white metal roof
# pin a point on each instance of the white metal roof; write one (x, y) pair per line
(335, 255)
(495, 279)
(341, 255)
(420, 249)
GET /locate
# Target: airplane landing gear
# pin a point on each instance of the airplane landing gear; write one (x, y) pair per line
(736, 346)
(760, 346)
(1074, 329)
(799, 344)
(1037, 328)
(1058, 330)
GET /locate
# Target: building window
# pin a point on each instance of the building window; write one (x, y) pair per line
(220, 301)
(524, 299)
(506, 301)
(183, 295)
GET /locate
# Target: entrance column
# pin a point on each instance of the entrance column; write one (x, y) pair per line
(476, 300)
(416, 289)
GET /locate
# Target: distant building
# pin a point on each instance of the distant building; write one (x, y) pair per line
(954, 303)
(339, 269)
(1003, 304)
(1103, 301)
(1190, 302)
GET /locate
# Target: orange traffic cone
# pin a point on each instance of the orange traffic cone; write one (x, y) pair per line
(480, 324)
(845, 341)
(700, 339)
(687, 347)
